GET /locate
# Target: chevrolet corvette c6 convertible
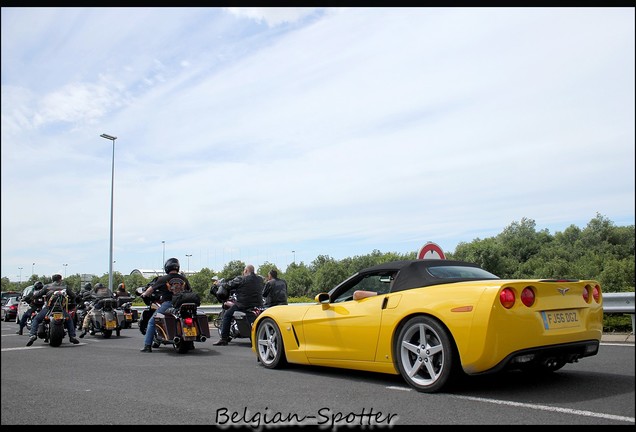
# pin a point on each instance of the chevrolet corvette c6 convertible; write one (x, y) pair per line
(433, 320)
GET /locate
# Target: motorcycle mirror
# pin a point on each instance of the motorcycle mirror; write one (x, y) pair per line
(139, 291)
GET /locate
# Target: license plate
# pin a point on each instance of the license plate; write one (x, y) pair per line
(189, 331)
(128, 316)
(111, 325)
(560, 319)
(58, 315)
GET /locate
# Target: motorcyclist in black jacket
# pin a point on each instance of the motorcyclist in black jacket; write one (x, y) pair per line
(34, 304)
(249, 294)
(97, 296)
(46, 292)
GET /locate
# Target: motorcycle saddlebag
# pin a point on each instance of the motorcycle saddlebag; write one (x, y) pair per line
(204, 327)
(167, 322)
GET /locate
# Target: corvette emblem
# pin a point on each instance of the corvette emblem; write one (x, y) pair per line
(563, 290)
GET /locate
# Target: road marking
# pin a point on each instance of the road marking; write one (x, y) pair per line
(551, 408)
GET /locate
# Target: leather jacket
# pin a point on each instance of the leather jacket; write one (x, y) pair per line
(249, 290)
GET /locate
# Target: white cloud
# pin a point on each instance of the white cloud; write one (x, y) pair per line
(330, 132)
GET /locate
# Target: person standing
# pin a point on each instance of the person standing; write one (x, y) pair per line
(249, 294)
(275, 291)
(162, 286)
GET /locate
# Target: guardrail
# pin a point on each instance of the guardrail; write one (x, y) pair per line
(619, 303)
(613, 303)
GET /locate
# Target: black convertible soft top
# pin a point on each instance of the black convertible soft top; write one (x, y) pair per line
(426, 272)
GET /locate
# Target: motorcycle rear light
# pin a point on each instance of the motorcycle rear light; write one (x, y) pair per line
(188, 321)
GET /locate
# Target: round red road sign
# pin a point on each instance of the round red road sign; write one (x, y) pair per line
(431, 251)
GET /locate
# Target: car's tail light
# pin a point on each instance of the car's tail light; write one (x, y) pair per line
(507, 298)
(596, 293)
(586, 293)
(13, 307)
(527, 296)
(188, 321)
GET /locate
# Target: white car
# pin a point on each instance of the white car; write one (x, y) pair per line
(23, 306)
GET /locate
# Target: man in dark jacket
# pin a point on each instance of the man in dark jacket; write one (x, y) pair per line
(164, 286)
(47, 292)
(249, 294)
(275, 291)
(34, 304)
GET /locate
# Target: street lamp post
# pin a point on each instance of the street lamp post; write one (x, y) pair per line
(65, 265)
(32, 265)
(294, 252)
(112, 189)
(189, 261)
(20, 268)
(163, 262)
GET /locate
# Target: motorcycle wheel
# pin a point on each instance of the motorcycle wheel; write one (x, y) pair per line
(117, 331)
(56, 334)
(184, 347)
(107, 333)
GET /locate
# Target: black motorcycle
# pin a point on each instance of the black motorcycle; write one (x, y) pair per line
(53, 327)
(124, 306)
(179, 326)
(241, 324)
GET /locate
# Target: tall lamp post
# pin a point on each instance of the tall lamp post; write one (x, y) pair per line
(112, 189)
(32, 266)
(294, 252)
(20, 268)
(65, 265)
(163, 262)
(188, 262)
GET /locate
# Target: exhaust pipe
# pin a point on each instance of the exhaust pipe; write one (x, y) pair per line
(203, 338)
(176, 340)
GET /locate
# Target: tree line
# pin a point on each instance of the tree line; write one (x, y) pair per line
(600, 251)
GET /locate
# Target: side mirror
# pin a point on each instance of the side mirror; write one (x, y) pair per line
(322, 298)
(139, 291)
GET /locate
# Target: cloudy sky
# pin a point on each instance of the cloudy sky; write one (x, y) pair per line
(274, 134)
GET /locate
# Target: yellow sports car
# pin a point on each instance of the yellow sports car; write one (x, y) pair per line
(431, 320)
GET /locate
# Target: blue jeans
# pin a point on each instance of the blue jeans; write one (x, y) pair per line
(150, 330)
(68, 322)
(25, 317)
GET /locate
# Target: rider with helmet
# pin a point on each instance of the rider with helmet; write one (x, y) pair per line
(99, 293)
(34, 304)
(163, 286)
(46, 292)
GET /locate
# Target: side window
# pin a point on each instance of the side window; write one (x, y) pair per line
(380, 284)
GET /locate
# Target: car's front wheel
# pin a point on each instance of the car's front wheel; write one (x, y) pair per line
(269, 345)
(425, 354)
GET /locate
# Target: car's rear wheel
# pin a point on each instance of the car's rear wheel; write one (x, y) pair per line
(425, 354)
(269, 345)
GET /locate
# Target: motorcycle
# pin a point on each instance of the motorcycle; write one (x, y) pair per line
(106, 319)
(36, 306)
(53, 328)
(241, 324)
(180, 326)
(124, 306)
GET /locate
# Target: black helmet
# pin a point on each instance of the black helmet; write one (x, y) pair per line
(56, 277)
(38, 285)
(99, 285)
(171, 264)
(121, 286)
(88, 286)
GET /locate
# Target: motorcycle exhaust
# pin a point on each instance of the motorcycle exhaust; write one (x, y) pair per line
(203, 338)
(176, 340)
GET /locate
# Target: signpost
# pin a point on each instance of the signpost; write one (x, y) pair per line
(431, 251)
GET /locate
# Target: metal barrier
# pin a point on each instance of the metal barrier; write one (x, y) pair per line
(619, 303)
(613, 303)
